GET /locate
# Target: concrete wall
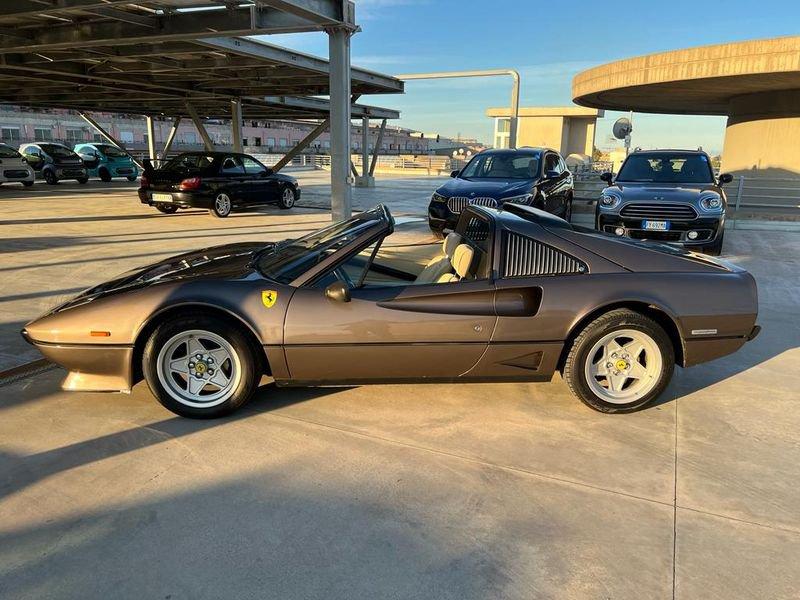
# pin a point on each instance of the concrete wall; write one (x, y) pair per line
(570, 130)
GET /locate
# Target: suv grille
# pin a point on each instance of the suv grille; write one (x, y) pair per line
(657, 210)
(458, 203)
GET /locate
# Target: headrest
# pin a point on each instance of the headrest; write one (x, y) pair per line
(450, 243)
(462, 260)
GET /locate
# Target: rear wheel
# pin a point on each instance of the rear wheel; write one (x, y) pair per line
(222, 206)
(167, 209)
(50, 177)
(131, 178)
(288, 198)
(200, 366)
(620, 362)
(27, 183)
(104, 175)
(568, 210)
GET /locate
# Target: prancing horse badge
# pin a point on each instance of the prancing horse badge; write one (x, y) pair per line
(269, 297)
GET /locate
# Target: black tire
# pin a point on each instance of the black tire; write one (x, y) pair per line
(167, 209)
(27, 183)
(104, 175)
(287, 198)
(616, 320)
(83, 180)
(438, 233)
(222, 207)
(568, 210)
(715, 249)
(50, 177)
(233, 334)
(131, 178)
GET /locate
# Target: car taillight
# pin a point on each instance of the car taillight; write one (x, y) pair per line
(143, 182)
(190, 184)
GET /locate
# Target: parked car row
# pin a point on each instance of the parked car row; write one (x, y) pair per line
(54, 162)
(667, 196)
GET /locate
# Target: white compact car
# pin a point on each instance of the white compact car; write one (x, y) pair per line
(14, 168)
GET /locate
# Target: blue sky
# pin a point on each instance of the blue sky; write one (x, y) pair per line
(547, 46)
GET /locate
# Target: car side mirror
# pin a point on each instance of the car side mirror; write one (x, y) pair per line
(725, 178)
(338, 292)
(552, 174)
(607, 177)
(455, 173)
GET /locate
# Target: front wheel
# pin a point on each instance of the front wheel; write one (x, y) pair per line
(50, 177)
(83, 180)
(287, 198)
(200, 366)
(222, 206)
(27, 183)
(620, 362)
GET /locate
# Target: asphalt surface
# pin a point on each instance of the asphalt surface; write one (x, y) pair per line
(414, 491)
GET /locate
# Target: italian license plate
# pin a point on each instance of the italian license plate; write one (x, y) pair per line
(162, 197)
(656, 225)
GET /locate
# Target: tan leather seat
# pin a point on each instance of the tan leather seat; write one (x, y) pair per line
(440, 265)
(463, 257)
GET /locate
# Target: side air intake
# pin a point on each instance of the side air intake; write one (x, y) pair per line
(525, 257)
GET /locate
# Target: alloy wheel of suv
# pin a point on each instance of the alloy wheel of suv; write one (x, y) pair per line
(222, 205)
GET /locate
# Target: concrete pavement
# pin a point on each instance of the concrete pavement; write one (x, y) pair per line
(414, 491)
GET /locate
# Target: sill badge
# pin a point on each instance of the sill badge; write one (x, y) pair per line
(269, 297)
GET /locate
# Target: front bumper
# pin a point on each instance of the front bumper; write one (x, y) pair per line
(71, 172)
(441, 217)
(708, 228)
(124, 171)
(92, 367)
(179, 199)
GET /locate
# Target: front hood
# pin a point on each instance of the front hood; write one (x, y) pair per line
(660, 192)
(489, 188)
(231, 261)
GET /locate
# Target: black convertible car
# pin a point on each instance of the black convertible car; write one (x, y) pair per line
(217, 181)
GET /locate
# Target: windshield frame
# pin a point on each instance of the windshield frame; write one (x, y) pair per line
(14, 153)
(671, 156)
(103, 149)
(48, 147)
(381, 226)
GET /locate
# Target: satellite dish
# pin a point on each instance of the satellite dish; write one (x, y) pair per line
(622, 128)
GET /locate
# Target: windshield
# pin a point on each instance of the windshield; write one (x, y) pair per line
(502, 166)
(58, 151)
(289, 259)
(664, 167)
(111, 151)
(189, 163)
(8, 152)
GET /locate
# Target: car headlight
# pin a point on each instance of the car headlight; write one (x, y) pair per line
(438, 198)
(609, 201)
(711, 203)
(521, 199)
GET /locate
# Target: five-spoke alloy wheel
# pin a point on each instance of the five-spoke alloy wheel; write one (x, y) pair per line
(287, 198)
(620, 362)
(201, 366)
(222, 205)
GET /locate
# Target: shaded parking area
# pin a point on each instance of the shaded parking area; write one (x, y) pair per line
(415, 491)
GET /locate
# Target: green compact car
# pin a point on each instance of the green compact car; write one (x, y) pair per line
(106, 161)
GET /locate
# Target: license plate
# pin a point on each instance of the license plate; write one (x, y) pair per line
(656, 225)
(162, 197)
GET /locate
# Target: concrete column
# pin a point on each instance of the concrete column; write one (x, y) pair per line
(151, 138)
(512, 130)
(339, 56)
(236, 125)
(365, 179)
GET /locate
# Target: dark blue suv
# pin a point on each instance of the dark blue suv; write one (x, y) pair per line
(533, 176)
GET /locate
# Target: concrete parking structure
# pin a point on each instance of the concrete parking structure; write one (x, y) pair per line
(413, 491)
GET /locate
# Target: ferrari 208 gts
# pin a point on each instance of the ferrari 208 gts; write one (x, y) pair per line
(514, 294)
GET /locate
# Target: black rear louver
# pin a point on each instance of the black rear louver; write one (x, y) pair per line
(526, 257)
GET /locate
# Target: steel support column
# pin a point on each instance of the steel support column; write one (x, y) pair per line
(378, 144)
(108, 137)
(201, 129)
(339, 82)
(236, 124)
(151, 137)
(170, 137)
(364, 146)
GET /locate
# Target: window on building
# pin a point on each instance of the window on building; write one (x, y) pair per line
(190, 137)
(503, 125)
(257, 141)
(9, 134)
(41, 134)
(282, 142)
(244, 142)
(271, 142)
(74, 134)
(126, 137)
